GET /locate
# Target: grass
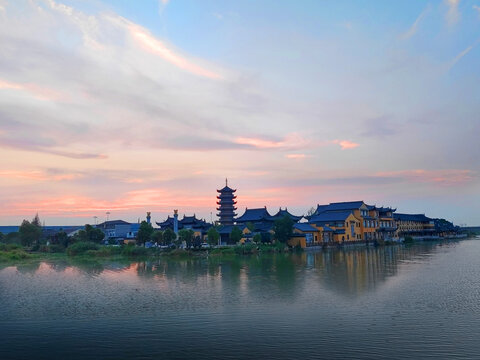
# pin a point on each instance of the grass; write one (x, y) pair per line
(12, 252)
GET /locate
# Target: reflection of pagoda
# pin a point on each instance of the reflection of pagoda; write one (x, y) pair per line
(227, 202)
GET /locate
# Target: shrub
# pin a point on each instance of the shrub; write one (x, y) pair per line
(53, 248)
(81, 247)
(132, 250)
(16, 254)
(223, 251)
(56, 248)
(245, 249)
(10, 247)
(180, 253)
(105, 251)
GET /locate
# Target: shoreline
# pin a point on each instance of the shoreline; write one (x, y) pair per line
(10, 255)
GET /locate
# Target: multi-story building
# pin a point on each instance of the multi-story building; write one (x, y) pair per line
(376, 223)
(413, 225)
(338, 226)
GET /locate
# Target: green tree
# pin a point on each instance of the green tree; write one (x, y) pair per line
(1, 236)
(93, 234)
(257, 238)
(157, 237)
(250, 226)
(12, 238)
(81, 236)
(60, 238)
(29, 233)
(283, 229)
(213, 236)
(144, 233)
(187, 236)
(36, 221)
(169, 236)
(236, 234)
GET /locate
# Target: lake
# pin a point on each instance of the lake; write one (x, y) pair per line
(396, 302)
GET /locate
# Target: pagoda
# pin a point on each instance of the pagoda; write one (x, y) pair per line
(226, 200)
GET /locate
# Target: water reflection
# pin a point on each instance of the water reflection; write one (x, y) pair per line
(347, 271)
(339, 303)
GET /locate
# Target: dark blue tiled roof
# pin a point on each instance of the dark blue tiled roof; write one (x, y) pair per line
(385, 209)
(349, 205)
(281, 213)
(112, 224)
(169, 221)
(327, 228)
(411, 217)
(191, 220)
(263, 226)
(227, 229)
(340, 206)
(304, 227)
(227, 189)
(321, 208)
(254, 215)
(330, 216)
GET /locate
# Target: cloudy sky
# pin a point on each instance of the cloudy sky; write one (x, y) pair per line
(135, 106)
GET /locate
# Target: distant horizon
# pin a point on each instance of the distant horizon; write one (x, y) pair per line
(161, 216)
(129, 107)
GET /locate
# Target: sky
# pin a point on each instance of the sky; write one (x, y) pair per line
(134, 106)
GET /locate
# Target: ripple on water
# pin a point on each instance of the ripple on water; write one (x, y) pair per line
(396, 302)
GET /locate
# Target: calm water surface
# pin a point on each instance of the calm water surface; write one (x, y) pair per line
(419, 302)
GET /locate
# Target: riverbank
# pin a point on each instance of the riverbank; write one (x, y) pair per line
(14, 253)
(11, 254)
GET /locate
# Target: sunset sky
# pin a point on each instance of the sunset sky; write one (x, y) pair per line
(135, 106)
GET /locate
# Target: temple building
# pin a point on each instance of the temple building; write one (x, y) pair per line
(282, 213)
(261, 221)
(199, 226)
(226, 202)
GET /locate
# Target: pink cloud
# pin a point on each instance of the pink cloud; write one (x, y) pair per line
(295, 156)
(158, 200)
(346, 144)
(36, 175)
(291, 141)
(154, 46)
(37, 91)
